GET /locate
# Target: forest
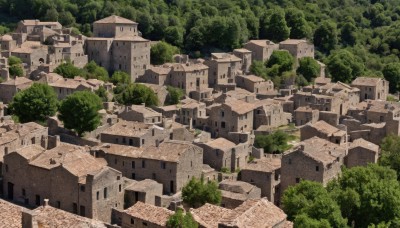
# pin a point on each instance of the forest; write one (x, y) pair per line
(359, 36)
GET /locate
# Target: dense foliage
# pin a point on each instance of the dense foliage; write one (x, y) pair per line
(390, 155)
(367, 29)
(274, 143)
(174, 95)
(135, 94)
(15, 69)
(90, 71)
(80, 111)
(308, 68)
(162, 52)
(120, 77)
(361, 197)
(181, 220)
(197, 192)
(35, 103)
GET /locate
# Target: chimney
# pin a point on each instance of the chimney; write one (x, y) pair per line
(46, 202)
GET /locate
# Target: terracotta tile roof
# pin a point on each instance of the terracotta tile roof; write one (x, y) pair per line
(242, 50)
(240, 107)
(73, 158)
(131, 38)
(209, 215)
(365, 144)
(161, 70)
(262, 43)
(18, 81)
(10, 215)
(74, 83)
(254, 213)
(147, 112)
(365, 81)
(221, 143)
(143, 186)
(49, 217)
(6, 38)
(128, 128)
(29, 47)
(114, 20)
(189, 67)
(236, 186)
(37, 22)
(253, 78)
(293, 41)
(150, 213)
(234, 195)
(326, 128)
(320, 150)
(224, 57)
(264, 165)
(170, 151)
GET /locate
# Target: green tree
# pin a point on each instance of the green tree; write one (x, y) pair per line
(390, 153)
(258, 68)
(367, 195)
(180, 220)
(92, 70)
(344, 66)
(197, 193)
(80, 111)
(16, 71)
(283, 59)
(137, 94)
(309, 68)
(35, 103)
(299, 27)
(68, 70)
(277, 29)
(348, 33)
(102, 93)
(274, 143)
(162, 52)
(120, 77)
(12, 60)
(174, 35)
(310, 203)
(325, 36)
(175, 95)
(391, 72)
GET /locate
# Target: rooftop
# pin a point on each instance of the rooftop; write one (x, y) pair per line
(128, 128)
(264, 165)
(262, 43)
(150, 213)
(221, 143)
(366, 81)
(240, 107)
(17, 81)
(49, 217)
(364, 144)
(114, 20)
(236, 186)
(11, 215)
(209, 215)
(293, 41)
(326, 128)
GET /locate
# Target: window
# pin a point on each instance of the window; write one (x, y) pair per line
(120, 188)
(142, 141)
(82, 188)
(131, 142)
(82, 210)
(124, 140)
(105, 193)
(23, 192)
(132, 221)
(223, 124)
(144, 223)
(317, 168)
(297, 180)
(222, 113)
(133, 164)
(75, 208)
(143, 164)
(133, 176)
(118, 177)
(97, 195)
(290, 161)
(37, 200)
(58, 204)
(115, 161)
(163, 165)
(153, 176)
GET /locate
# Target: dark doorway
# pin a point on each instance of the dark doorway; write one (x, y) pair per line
(10, 191)
(171, 186)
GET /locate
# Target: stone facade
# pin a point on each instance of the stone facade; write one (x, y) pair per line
(234, 193)
(255, 84)
(73, 180)
(10, 88)
(223, 68)
(117, 46)
(171, 163)
(361, 153)
(269, 115)
(143, 215)
(323, 130)
(314, 159)
(141, 114)
(304, 115)
(298, 48)
(261, 49)
(371, 88)
(245, 56)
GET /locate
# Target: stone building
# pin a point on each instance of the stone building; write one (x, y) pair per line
(245, 56)
(221, 153)
(144, 191)
(223, 68)
(371, 88)
(255, 84)
(11, 214)
(261, 49)
(361, 152)
(159, 75)
(298, 48)
(117, 46)
(231, 116)
(192, 113)
(133, 134)
(313, 159)
(47, 216)
(265, 174)
(305, 114)
(11, 87)
(269, 114)
(67, 175)
(171, 163)
(160, 91)
(234, 193)
(15, 136)
(145, 215)
(252, 213)
(192, 78)
(140, 113)
(323, 130)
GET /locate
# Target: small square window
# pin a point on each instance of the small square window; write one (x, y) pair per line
(297, 180)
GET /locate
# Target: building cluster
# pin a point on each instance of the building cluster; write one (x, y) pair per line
(130, 171)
